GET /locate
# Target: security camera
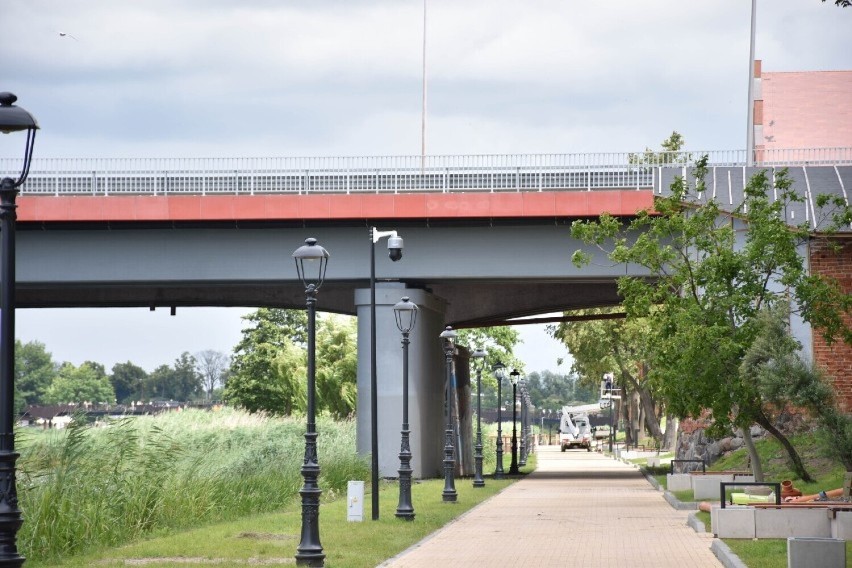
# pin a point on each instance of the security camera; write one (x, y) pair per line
(395, 247)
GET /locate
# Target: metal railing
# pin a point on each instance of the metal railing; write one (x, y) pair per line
(382, 174)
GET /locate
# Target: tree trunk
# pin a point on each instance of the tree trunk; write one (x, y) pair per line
(754, 457)
(670, 437)
(651, 420)
(793, 456)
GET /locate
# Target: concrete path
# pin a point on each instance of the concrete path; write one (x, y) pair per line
(578, 509)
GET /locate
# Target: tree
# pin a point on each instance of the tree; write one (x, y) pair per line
(499, 343)
(34, 372)
(553, 391)
(712, 273)
(128, 380)
(614, 345)
(181, 382)
(213, 368)
(86, 383)
(274, 326)
(842, 3)
(337, 365)
(278, 386)
(670, 154)
(186, 380)
(271, 332)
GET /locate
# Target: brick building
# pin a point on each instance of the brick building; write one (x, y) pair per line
(812, 109)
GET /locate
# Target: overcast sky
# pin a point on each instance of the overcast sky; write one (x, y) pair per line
(195, 78)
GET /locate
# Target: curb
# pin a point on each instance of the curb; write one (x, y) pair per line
(679, 505)
(697, 525)
(725, 555)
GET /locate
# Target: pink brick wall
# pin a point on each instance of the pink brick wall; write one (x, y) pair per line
(807, 109)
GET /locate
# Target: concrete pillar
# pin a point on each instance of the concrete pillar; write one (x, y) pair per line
(425, 380)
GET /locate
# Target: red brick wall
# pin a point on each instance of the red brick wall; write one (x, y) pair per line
(835, 359)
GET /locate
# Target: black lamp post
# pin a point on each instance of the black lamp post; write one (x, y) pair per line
(448, 339)
(405, 312)
(524, 409)
(311, 263)
(607, 402)
(513, 467)
(12, 119)
(395, 246)
(499, 374)
(478, 481)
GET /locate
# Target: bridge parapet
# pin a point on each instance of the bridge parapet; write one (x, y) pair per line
(383, 174)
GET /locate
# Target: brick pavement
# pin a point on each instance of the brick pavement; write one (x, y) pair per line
(578, 509)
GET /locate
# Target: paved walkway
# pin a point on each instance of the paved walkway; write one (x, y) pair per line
(578, 509)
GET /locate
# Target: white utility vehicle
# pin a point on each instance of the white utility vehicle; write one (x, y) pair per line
(574, 429)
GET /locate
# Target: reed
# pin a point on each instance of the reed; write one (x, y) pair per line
(89, 487)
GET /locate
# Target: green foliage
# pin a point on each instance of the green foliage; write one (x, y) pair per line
(262, 375)
(86, 383)
(34, 372)
(84, 488)
(553, 391)
(180, 382)
(670, 155)
(337, 365)
(270, 379)
(128, 381)
(499, 344)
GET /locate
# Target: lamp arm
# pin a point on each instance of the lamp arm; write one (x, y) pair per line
(377, 234)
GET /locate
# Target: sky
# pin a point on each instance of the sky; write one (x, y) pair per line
(211, 78)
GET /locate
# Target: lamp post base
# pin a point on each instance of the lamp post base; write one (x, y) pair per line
(498, 471)
(449, 494)
(405, 509)
(478, 481)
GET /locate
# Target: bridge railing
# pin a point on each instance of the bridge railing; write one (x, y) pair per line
(380, 174)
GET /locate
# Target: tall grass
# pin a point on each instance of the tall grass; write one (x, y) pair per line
(86, 487)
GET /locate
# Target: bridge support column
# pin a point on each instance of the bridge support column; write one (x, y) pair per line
(425, 375)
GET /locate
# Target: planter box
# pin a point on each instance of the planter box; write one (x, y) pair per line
(784, 523)
(732, 522)
(816, 553)
(707, 486)
(678, 481)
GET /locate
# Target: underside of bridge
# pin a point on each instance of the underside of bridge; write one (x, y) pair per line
(469, 302)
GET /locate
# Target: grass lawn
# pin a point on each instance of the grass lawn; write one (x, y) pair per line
(272, 538)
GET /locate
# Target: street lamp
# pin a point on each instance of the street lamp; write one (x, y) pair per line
(478, 481)
(311, 263)
(405, 312)
(395, 246)
(513, 377)
(12, 119)
(608, 403)
(500, 374)
(524, 409)
(448, 339)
